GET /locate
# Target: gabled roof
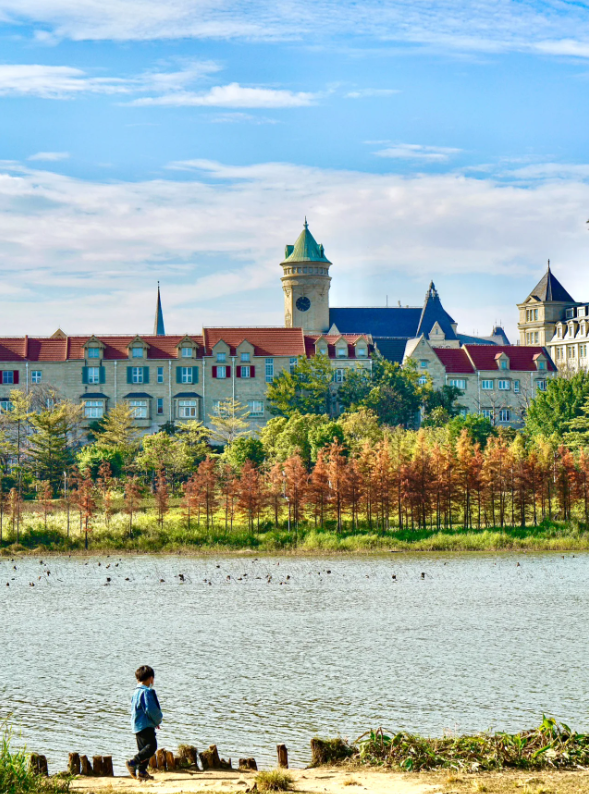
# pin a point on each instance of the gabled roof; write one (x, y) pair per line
(72, 347)
(454, 359)
(433, 312)
(306, 249)
(351, 339)
(549, 289)
(266, 341)
(521, 359)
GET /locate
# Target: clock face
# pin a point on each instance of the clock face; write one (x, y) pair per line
(303, 304)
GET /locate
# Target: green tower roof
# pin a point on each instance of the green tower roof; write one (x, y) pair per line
(306, 249)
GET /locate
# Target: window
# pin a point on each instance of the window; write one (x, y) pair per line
(459, 383)
(535, 314)
(504, 385)
(342, 352)
(187, 409)
(160, 374)
(570, 313)
(463, 412)
(94, 409)
(582, 354)
(93, 375)
(216, 407)
(256, 408)
(571, 351)
(138, 409)
(136, 375)
(581, 311)
(292, 364)
(245, 358)
(160, 406)
(541, 385)
(559, 331)
(93, 352)
(361, 352)
(186, 374)
(536, 337)
(422, 380)
(503, 363)
(504, 415)
(323, 351)
(221, 372)
(186, 352)
(269, 370)
(137, 352)
(339, 376)
(423, 364)
(528, 339)
(221, 358)
(246, 372)
(516, 386)
(487, 385)
(5, 404)
(487, 413)
(36, 376)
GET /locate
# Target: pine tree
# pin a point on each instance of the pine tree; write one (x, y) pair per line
(230, 422)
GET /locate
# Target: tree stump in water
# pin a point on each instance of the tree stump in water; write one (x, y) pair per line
(85, 765)
(210, 759)
(153, 762)
(282, 755)
(247, 764)
(74, 764)
(170, 761)
(189, 755)
(161, 759)
(38, 764)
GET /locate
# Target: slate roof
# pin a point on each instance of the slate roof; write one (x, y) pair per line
(455, 360)
(266, 341)
(393, 322)
(521, 359)
(390, 348)
(158, 326)
(306, 249)
(549, 289)
(433, 312)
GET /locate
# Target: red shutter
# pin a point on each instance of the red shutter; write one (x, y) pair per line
(238, 372)
(16, 373)
(214, 372)
(228, 372)
(252, 372)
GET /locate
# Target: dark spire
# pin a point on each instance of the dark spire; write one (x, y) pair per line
(550, 289)
(158, 326)
(433, 312)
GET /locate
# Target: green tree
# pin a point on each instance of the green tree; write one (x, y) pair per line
(479, 428)
(92, 456)
(441, 405)
(194, 436)
(305, 390)
(551, 411)
(16, 429)
(51, 447)
(245, 448)
(230, 422)
(118, 431)
(577, 435)
(301, 434)
(161, 451)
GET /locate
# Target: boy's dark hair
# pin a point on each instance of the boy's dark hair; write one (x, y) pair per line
(143, 673)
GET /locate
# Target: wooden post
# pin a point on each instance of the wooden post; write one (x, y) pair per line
(161, 759)
(74, 764)
(153, 762)
(107, 767)
(248, 764)
(85, 765)
(189, 755)
(210, 759)
(282, 755)
(170, 762)
(98, 766)
(38, 764)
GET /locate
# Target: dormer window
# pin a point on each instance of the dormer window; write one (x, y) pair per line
(559, 331)
(342, 352)
(503, 363)
(137, 352)
(570, 314)
(221, 358)
(361, 352)
(323, 351)
(186, 352)
(245, 358)
(541, 364)
(423, 363)
(93, 352)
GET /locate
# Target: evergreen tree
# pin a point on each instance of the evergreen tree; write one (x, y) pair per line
(118, 431)
(230, 422)
(552, 411)
(51, 450)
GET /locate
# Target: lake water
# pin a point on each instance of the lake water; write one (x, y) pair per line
(252, 652)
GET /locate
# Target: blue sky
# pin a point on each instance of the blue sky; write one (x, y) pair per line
(186, 141)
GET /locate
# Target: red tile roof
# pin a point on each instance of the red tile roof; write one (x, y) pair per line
(454, 359)
(266, 341)
(72, 348)
(351, 339)
(521, 359)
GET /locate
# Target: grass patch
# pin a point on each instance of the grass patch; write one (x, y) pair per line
(274, 780)
(551, 746)
(16, 776)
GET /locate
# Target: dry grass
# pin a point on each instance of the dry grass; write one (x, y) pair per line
(509, 782)
(274, 780)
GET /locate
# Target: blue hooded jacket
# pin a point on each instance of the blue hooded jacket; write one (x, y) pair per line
(145, 709)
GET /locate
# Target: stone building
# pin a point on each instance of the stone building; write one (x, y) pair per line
(175, 378)
(552, 317)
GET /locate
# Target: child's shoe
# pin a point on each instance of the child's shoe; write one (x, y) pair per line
(144, 776)
(131, 768)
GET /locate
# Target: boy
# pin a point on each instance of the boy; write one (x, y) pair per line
(146, 716)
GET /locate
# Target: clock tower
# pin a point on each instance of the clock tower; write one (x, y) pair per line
(305, 283)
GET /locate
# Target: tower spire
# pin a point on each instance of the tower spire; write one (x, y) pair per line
(158, 326)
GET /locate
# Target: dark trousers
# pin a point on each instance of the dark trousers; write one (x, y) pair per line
(146, 746)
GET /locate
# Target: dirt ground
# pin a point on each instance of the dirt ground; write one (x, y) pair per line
(348, 781)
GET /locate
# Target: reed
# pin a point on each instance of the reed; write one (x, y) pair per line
(15, 775)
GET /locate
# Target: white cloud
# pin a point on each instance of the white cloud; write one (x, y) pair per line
(414, 151)
(550, 27)
(87, 254)
(63, 82)
(233, 96)
(49, 156)
(361, 93)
